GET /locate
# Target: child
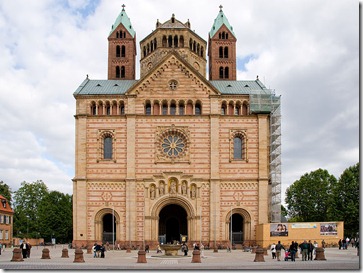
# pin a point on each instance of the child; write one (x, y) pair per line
(287, 253)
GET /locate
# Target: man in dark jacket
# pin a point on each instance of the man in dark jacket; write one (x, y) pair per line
(278, 248)
(310, 251)
(304, 249)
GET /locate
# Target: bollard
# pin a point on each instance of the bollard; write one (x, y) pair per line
(259, 255)
(65, 253)
(45, 253)
(320, 256)
(196, 256)
(215, 249)
(141, 256)
(128, 249)
(253, 249)
(17, 255)
(78, 256)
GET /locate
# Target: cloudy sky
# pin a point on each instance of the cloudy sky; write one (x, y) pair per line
(308, 51)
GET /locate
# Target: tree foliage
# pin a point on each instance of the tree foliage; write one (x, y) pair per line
(39, 213)
(55, 217)
(345, 200)
(26, 204)
(6, 191)
(309, 198)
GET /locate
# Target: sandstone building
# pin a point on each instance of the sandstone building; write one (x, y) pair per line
(173, 155)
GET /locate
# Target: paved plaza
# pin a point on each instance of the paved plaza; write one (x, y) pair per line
(222, 260)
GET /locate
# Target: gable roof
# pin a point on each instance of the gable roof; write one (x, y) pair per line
(123, 19)
(245, 87)
(104, 87)
(190, 69)
(219, 22)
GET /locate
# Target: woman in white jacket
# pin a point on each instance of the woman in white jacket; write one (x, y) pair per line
(273, 250)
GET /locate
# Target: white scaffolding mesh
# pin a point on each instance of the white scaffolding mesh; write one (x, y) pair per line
(268, 103)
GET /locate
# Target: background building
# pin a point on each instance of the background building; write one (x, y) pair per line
(175, 155)
(6, 222)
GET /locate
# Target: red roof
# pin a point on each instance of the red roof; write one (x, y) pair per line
(4, 201)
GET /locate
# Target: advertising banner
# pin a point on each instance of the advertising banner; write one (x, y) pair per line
(278, 229)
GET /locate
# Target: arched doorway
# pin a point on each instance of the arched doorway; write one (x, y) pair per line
(109, 228)
(236, 228)
(172, 223)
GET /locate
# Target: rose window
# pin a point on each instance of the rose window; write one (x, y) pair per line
(173, 145)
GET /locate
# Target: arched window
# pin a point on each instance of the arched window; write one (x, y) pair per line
(93, 109)
(164, 41)
(237, 147)
(165, 108)
(223, 109)
(156, 108)
(221, 72)
(226, 52)
(170, 41)
(198, 109)
(117, 51)
(122, 72)
(202, 51)
(107, 147)
(181, 108)
(244, 109)
(226, 72)
(172, 108)
(123, 51)
(181, 39)
(220, 52)
(117, 72)
(148, 109)
(155, 44)
(144, 50)
(122, 108)
(189, 108)
(176, 42)
(108, 109)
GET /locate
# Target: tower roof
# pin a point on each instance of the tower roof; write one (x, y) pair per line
(123, 19)
(220, 21)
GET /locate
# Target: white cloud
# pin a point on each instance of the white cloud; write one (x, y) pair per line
(307, 51)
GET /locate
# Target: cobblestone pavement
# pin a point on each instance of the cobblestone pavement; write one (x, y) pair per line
(222, 260)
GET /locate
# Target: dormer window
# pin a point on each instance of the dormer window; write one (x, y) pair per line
(3, 201)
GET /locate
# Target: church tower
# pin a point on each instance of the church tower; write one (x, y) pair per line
(122, 49)
(222, 49)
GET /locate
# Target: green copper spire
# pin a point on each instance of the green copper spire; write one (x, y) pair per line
(220, 21)
(123, 19)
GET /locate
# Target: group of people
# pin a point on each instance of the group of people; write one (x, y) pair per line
(343, 244)
(98, 250)
(307, 250)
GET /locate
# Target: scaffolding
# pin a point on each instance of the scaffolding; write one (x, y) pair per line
(269, 103)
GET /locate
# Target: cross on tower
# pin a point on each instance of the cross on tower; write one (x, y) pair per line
(123, 6)
(221, 7)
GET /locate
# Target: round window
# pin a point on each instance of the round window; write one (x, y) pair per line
(173, 145)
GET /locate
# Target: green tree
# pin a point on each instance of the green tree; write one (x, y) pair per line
(345, 200)
(55, 217)
(5, 191)
(309, 198)
(26, 203)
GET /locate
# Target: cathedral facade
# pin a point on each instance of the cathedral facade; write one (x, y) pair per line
(174, 156)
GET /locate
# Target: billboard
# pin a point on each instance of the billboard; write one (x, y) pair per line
(328, 229)
(279, 229)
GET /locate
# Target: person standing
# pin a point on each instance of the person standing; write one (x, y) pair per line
(293, 251)
(340, 244)
(304, 249)
(310, 251)
(278, 248)
(273, 250)
(24, 249)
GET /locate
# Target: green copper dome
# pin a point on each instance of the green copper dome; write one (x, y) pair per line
(124, 20)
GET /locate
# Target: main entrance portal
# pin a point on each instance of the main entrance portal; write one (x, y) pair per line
(172, 223)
